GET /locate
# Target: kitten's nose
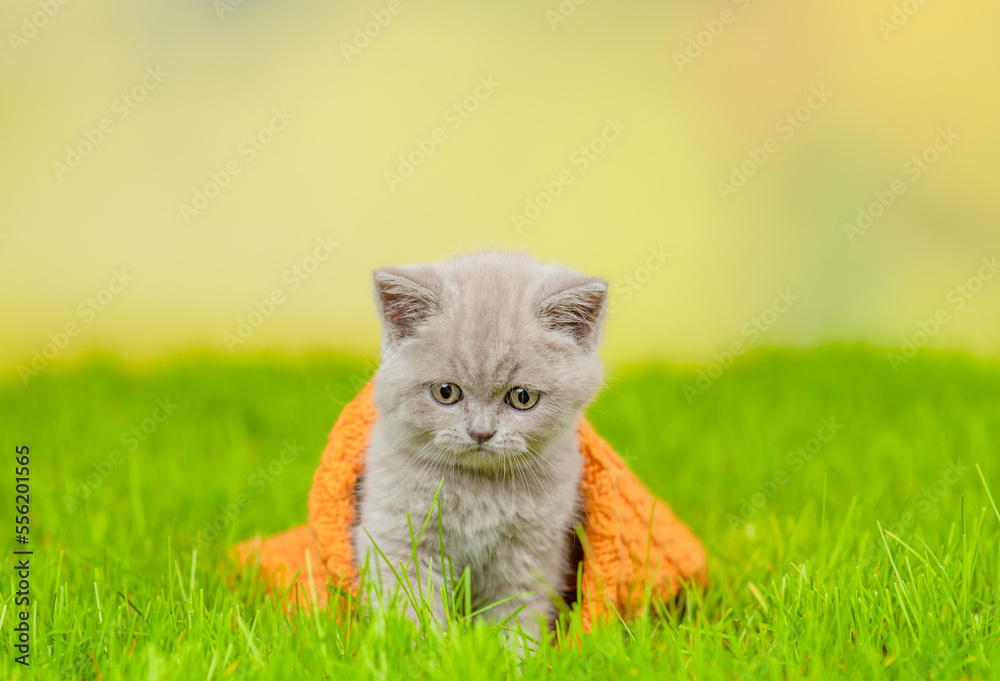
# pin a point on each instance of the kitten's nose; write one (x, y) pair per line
(481, 436)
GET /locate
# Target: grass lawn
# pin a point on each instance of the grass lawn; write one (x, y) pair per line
(803, 582)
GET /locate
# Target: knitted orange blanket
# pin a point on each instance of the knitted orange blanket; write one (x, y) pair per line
(635, 541)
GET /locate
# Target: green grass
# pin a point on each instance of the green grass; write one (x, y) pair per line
(803, 584)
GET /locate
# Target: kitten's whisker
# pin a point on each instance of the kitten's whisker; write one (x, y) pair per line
(552, 475)
(420, 465)
(521, 472)
(513, 485)
(533, 470)
(538, 457)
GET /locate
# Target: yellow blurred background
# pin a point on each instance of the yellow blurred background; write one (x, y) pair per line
(170, 169)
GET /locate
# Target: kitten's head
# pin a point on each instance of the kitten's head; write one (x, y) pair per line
(487, 357)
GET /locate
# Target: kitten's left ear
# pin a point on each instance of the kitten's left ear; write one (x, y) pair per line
(406, 298)
(577, 309)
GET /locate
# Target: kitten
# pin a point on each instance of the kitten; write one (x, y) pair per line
(487, 362)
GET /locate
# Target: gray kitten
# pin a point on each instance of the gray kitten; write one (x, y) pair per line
(487, 362)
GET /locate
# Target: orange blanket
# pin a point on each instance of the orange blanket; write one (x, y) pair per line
(635, 541)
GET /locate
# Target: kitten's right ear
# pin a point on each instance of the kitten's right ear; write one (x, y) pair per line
(405, 298)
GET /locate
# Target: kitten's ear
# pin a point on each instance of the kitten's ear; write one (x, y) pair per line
(406, 298)
(577, 309)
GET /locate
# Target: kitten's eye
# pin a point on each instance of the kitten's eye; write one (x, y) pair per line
(446, 393)
(522, 398)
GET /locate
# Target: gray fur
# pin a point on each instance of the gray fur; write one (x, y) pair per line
(486, 322)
